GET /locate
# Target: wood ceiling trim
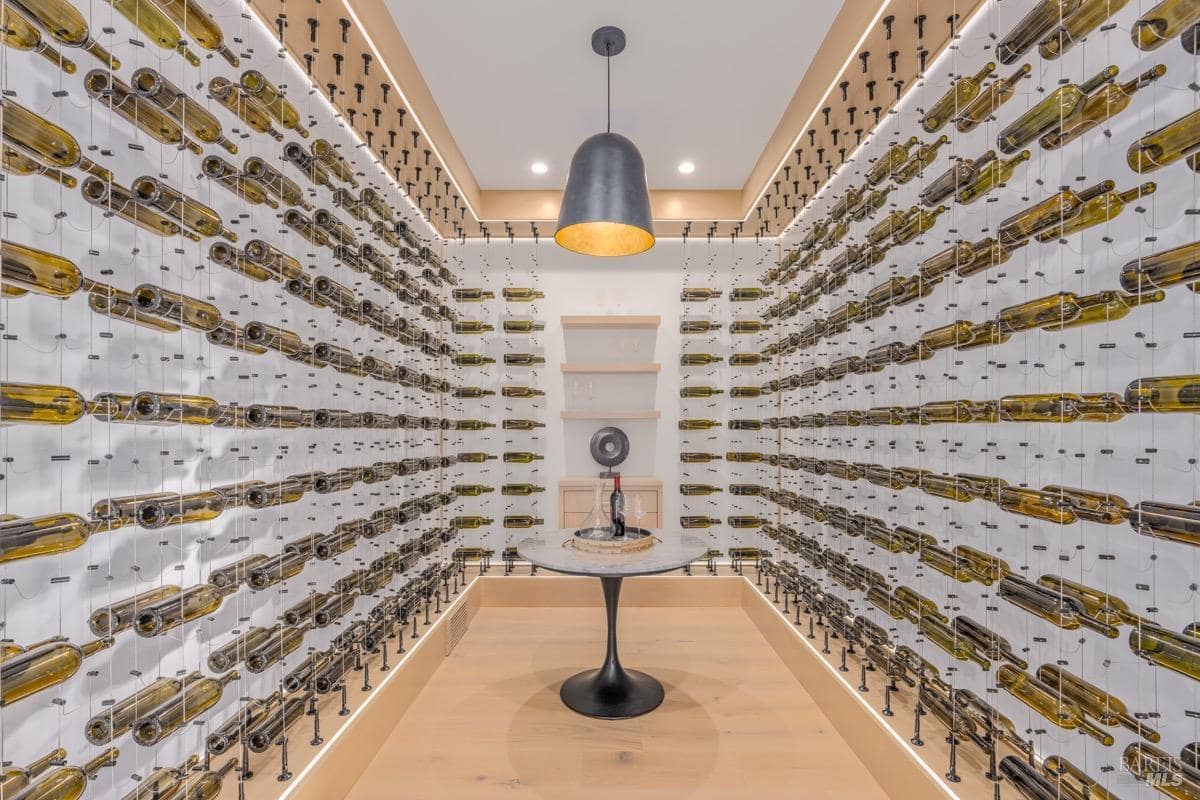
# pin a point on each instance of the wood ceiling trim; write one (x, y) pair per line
(810, 142)
(841, 40)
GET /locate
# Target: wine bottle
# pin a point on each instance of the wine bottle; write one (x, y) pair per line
(39, 668)
(327, 154)
(14, 779)
(18, 32)
(960, 172)
(195, 699)
(698, 458)
(698, 295)
(1033, 26)
(271, 97)
(113, 198)
(50, 534)
(41, 403)
(1049, 703)
(892, 159)
(917, 224)
(988, 102)
(1070, 781)
(471, 522)
(43, 141)
(1168, 775)
(1099, 107)
(963, 91)
(278, 645)
(1050, 112)
(1087, 16)
(69, 783)
(243, 106)
(275, 182)
(946, 638)
(1095, 211)
(120, 717)
(993, 174)
(244, 187)
(522, 521)
(1029, 783)
(921, 158)
(523, 359)
(1166, 145)
(18, 164)
(474, 458)
(111, 620)
(521, 457)
(113, 93)
(1165, 394)
(522, 326)
(191, 603)
(247, 718)
(66, 24)
(207, 784)
(1178, 523)
(1163, 22)
(698, 326)
(917, 606)
(987, 641)
(1178, 652)
(233, 574)
(1094, 701)
(150, 84)
(284, 714)
(698, 359)
(472, 295)
(1061, 610)
(693, 521)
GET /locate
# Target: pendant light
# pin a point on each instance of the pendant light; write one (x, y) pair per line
(605, 208)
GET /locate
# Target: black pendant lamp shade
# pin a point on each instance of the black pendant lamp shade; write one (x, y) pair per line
(605, 208)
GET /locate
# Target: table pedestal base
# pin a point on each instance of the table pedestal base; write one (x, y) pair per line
(612, 692)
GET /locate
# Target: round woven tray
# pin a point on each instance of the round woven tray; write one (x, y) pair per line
(601, 540)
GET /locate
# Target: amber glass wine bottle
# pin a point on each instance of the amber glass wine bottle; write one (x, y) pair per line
(1094, 701)
(18, 32)
(13, 779)
(989, 101)
(111, 92)
(962, 92)
(258, 86)
(118, 718)
(1087, 16)
(1051, 112)
(66, 24)
(1044, 15)
(39, 668)
(1163, 22)
(1099, 107)
(1166, 145)
(195, 699)
(890, 161)
(40, 139)
(113, 198)
(243, 106)
(1049, 703)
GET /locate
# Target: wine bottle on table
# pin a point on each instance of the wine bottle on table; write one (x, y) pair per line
(617, 507)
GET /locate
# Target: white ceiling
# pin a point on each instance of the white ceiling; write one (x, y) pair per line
(700, 80)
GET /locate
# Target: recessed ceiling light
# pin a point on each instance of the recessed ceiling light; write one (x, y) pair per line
(686, 167)
(539, 168)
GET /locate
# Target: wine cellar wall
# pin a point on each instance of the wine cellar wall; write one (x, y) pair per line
(227, 364)
(984, 325)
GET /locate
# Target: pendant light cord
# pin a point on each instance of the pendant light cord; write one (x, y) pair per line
(608, 84)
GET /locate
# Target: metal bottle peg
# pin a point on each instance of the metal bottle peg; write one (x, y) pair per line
(366, 687)
(245, 772)
(825, 648)
(383, 666)
(317, 738)
(918, 712)
(345, 709)
(862, 683)
(952, 773)
(811, 633)
(843, 667)
(285, 774)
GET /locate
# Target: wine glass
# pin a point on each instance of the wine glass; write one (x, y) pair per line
(636, 510)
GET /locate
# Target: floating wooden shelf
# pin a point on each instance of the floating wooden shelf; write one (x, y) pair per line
(611, 321)
(600, 367)
(634, 414)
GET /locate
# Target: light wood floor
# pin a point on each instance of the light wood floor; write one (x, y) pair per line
(735, 722)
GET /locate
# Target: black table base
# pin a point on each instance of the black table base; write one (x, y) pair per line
(612, 692)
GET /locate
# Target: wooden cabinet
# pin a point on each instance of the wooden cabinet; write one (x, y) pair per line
(575, 497)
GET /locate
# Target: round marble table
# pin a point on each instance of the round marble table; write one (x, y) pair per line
(612, 692)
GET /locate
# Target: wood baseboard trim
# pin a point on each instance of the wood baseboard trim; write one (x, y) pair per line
(881, 749)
